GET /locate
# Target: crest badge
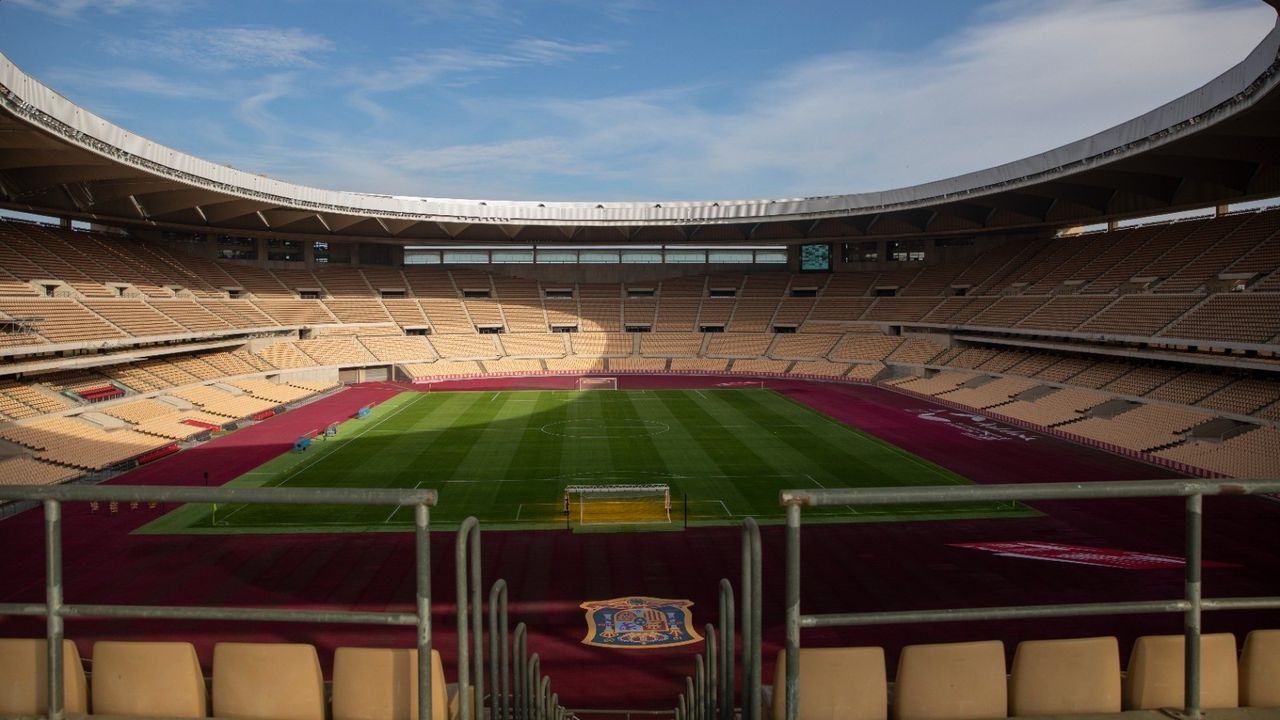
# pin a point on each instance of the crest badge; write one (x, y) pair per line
(639, 622)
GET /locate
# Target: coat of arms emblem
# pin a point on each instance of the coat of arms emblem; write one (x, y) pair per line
(639, 622)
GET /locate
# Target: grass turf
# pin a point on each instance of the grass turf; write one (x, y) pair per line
(506, 457)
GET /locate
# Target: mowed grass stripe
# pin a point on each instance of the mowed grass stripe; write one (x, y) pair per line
(494, 456)
(834, 454)
(733, 467)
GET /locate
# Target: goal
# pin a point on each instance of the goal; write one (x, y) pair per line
(618, 504)
(597, 383)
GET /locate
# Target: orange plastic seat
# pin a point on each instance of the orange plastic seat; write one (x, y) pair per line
(835, 684)
(951, 681)
(1260, 670)
(270, 681)
(1157, 671)
(1065, 677)
(382, 684)
(148, 679)
(24, 677)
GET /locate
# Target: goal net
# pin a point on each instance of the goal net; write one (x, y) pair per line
(597, 383)
(618, 504)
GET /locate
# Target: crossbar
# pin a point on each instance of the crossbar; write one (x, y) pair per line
(54, 610)
(1191, 604)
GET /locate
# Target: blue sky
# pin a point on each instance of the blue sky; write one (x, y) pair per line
(622, 99)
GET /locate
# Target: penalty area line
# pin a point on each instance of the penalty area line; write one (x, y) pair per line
(396, 509)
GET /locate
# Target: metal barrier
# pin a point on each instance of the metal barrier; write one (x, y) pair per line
(752, 595)
(519, 693)
(467, 582)
(709, 693)
(54, 609)
(1191, 604)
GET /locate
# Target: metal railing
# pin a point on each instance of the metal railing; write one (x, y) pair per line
(54, 609)
(519, 689)
(708, 692)
(1190, 605)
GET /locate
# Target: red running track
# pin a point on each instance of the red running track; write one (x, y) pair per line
(846, 567)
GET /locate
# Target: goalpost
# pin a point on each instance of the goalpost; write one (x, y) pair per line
(597, 383)
(618, 504)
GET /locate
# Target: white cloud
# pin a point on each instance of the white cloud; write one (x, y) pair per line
(1023, 79)
(132, 81)
(252, 109)
(227, 48)
(1027, 78)
(76, 8)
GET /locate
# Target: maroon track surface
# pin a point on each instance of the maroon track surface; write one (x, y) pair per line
(847, 568)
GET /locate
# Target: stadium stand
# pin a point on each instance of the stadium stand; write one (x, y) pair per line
(1028, 288)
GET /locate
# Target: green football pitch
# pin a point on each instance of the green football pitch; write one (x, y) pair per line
(507, 457)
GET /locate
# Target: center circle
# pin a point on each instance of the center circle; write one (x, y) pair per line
(605, 429)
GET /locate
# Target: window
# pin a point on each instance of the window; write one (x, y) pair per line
(904, 251)
(600, 256)
(280, 250)
(685, 256)
(773, 257)
(557, 257)
(513, 256)
(734, 256)
(422, 257)
(465, 257)
(320, 251)
(641, 257)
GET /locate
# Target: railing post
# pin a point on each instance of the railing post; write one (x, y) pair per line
(533, 672)
(422, 547)
(499, 650)
(713, 667)
(751, 619)
(53, 606)
(467, 585)
(699, 688)
(792, 690)
(1191, 623)
(520, 692)
(727, 675)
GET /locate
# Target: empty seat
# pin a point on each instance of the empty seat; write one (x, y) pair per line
(951, 681)
(835, 684)
(24, 677)
(382, 684)
(1156, 672)
(1260, 670)
(275, 681)
(1052, 677)
(148, 679)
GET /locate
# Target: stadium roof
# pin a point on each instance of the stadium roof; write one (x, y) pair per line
(1217, 144)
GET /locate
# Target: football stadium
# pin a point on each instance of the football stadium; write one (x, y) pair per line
(996, 445)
